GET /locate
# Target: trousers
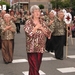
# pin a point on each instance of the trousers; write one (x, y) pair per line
(7, 50)
(58, 45)
(0, 42)
(34, 60)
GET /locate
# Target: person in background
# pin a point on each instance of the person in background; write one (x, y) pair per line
(8, 29)
(12, 14)
(17, 21)
(0, 30)
(3, 12)
(73, 28)
(13, 19)
(58, 31)
(36, 32)
(27, 15)
(49, 21)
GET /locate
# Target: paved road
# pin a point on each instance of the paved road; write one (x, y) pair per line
(49, 66)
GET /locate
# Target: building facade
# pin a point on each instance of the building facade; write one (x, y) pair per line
(8, 1)
(26, 4)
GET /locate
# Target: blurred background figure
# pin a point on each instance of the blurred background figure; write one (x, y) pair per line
(17, 21)
(49, 21)
(8, 30)
(58, 31)
(2, 13)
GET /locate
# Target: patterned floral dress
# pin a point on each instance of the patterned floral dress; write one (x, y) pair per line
(35, 42)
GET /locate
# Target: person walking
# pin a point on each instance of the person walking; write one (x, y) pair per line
(0, 30)
(8, 30)
(50, 20)
(2, 13)
(36, 32)
(58, 29)
(17, 21)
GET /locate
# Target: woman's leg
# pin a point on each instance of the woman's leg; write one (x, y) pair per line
(58, 46)
(11, 50)
(7, 51)
(39, 59)
(34, 60)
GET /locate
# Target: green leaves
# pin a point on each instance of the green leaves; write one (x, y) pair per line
(5, 3)
(41, 6)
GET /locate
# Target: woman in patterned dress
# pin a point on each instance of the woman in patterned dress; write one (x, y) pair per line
(36, 32)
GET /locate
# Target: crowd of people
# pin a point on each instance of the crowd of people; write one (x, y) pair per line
(45, 31)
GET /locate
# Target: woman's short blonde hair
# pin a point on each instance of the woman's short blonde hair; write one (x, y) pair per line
(6, 15)
(34, 7)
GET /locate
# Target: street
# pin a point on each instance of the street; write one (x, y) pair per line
(49, 66)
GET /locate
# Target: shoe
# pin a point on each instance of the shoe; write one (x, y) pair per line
(46, 51)
(59, 58)
(6, 62)
(9, 62)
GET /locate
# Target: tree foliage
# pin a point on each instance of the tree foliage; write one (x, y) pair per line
(4, 3)
(62, 3)
(41, 6)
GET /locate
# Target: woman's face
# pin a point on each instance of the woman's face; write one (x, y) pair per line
(11, 13)
(61, 15)
(36, 13)
(51, 15)
(7, 18)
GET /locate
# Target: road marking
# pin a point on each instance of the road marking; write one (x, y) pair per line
(41, 72)
(48, 58)
(1, 74)
(71, 56)
(24, 60)
(66, 70)
(19, 61)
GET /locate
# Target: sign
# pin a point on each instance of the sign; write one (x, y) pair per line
(68, 18)
(4, 7)
(0, 7)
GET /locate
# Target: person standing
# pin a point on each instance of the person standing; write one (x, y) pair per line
(0, 30)
(3, 12)
(49, 21)
(36, 32)
(12, 14)
(17, 21)
(8, 30)
(58, 28)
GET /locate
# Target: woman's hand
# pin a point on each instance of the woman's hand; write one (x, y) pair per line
(7, 28)
(38, 26)
(45, 32)
(51, 21)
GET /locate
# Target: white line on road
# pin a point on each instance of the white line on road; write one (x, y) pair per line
(41, 72)
(66, 70)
